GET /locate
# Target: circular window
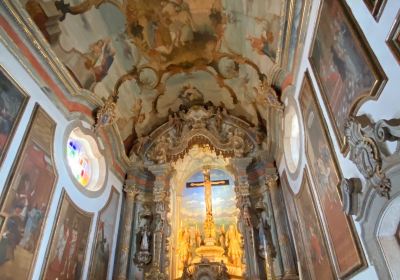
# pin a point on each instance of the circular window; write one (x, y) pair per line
(292, 139)
(86, 164)
(78, 161)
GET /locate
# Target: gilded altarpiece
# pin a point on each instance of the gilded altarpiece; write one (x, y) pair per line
(200, 234)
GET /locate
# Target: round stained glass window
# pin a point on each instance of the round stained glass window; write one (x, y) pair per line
(86, 164)
(79, 162)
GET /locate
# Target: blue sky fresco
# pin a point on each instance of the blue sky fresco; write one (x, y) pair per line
(223, 202)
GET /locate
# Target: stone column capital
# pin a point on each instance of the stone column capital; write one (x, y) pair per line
(160, 170)
(271, 179)
(240, 164)
(131, 190)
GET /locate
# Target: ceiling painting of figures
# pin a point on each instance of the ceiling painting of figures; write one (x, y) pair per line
(158, 56)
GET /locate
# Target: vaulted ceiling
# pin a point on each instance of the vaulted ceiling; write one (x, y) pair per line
(157, 56)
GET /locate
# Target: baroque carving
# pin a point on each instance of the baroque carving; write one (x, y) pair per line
(155, 274)
(143, 240)
(351, 190)
(202, 125)
(366, 154)
(206, 270)
(106, 114)
(266, 246)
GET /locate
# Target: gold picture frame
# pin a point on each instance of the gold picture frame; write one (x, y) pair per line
(64, 205)
(346, 69)
(326, 177)
(9, 120)
(10, 198)
(113, 192)
(375, 7)
(393, 40)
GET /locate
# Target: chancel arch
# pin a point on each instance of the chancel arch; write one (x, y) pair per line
(199, 148)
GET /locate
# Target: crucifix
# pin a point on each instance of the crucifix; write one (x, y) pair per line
(209, 226)
(207, 184)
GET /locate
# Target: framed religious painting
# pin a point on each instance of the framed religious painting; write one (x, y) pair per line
(13, 100)
(69, 242)
(344, 65)
(289, 199)
(298, 15)
(326, 177)
(26, 199)
(105, 230)
(393, 39)
(375, 7)
(315, 246)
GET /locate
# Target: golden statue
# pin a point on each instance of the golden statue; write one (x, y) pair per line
(234, 244)
(183, 246)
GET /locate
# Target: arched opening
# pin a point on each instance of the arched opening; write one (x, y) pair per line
(388, 233)
(205, 221)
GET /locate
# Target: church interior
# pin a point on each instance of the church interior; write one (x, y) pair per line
(199, 139)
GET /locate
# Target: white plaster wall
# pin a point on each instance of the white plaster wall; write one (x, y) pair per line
(93, 205)
(386, 107)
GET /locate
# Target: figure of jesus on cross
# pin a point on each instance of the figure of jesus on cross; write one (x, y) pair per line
(209, 226)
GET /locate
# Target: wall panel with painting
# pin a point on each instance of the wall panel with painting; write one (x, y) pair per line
(326, 177)
(103, 245)
(13, 100)
(69, 242)
(347, 70)
(26, 198)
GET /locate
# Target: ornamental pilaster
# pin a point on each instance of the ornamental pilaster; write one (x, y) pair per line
(242, 189)
(161, 226)
(285, 252)
(131, 192)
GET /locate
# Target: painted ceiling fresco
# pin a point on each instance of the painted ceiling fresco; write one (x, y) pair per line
(160, 55)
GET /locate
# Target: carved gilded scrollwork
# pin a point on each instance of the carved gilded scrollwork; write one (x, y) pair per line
(155, 274)
(106, 115)
(202, 125)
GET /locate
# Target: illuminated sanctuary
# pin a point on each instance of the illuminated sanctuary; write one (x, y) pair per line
(199, 139)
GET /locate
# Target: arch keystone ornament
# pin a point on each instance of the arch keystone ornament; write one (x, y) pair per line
(199, 125)
(106, 115)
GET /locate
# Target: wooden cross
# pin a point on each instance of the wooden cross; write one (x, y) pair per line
(207, 184)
